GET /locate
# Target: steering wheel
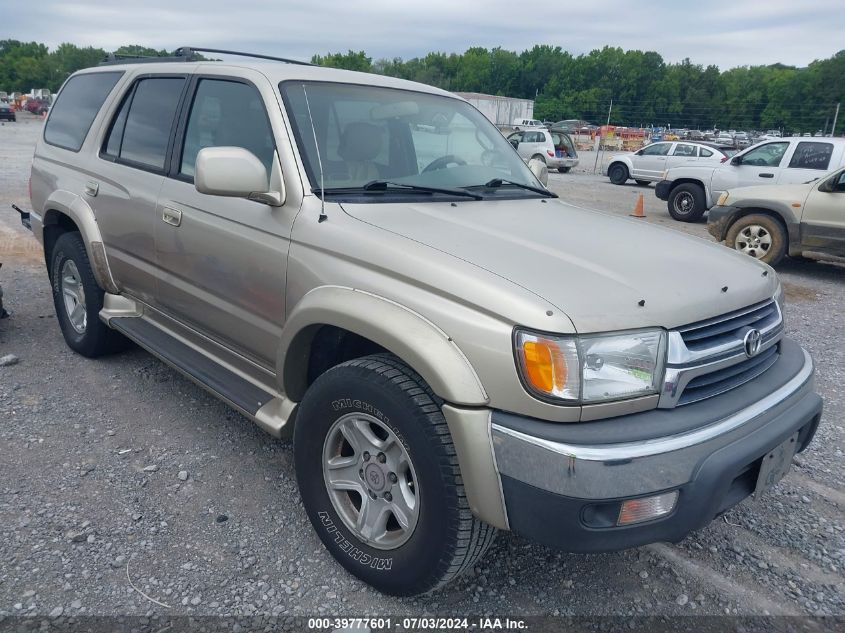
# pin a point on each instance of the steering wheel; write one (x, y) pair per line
(443, 162)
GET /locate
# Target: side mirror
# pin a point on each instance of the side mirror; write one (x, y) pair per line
(736, 160)
(540, 170)
(233, 172)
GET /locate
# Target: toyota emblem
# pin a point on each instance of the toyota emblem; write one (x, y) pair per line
(751, 342)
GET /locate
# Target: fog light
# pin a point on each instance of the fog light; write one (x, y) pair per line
(647, 508)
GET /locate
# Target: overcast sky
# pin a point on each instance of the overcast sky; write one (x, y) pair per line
(723, 32)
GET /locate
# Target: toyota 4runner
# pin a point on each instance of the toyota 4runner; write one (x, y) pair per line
(366, 264)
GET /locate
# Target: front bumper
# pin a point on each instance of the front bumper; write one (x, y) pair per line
(662, 189)
(567, 494)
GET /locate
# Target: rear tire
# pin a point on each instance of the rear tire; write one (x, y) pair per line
(539, 157)
(618, 174)
(760, 236)
(343, 410)
(78, 300)
(564, 170)
(686, 202)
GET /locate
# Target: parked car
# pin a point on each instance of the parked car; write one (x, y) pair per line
(768, 222)
(648, 164)
(724, 138)
(553, 147)
(37, 106)
(453, 348)
(523, 123)
(690, 190)
(742, 140)
(7, 113)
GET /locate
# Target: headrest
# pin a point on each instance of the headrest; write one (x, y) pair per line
(360, 141)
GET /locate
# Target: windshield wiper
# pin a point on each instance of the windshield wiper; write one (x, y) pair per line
(498, 182)
(382, 185)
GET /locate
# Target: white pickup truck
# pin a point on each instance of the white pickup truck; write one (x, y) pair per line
(690, 190)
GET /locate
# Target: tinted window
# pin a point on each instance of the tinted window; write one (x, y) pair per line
(227, 113)
(75, 108)
(811, 155)
(658, 149)
(141, 129)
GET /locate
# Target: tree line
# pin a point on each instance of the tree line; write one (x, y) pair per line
(644, 88)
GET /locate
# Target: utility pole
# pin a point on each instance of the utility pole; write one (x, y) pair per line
(609, 110)
(835, 116)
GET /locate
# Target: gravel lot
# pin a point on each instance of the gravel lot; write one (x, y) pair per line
(118, 476)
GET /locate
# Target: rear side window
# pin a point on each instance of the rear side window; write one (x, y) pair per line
(76, 107)
(705, 153)
(141, 130)
(811, 156)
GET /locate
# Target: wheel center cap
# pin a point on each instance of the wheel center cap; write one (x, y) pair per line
(375, 477)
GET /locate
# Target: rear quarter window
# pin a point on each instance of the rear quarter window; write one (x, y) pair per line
(811, 156)
(76, 107)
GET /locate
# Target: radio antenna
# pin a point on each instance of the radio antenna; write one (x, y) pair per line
(323, 217)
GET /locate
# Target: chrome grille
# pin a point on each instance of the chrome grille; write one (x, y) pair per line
(713, 332)
(708, 357)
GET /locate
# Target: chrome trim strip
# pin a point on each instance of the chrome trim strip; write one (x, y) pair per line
(725, 317)
(633, 450)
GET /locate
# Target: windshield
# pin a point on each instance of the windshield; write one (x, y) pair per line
(368, 133)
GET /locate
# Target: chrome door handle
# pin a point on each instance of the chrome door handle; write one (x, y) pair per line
(173, 217)
(92, 188)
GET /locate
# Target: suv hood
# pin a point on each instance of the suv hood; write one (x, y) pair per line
(594, 267)
(791, 193)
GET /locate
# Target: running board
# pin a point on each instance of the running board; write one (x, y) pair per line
(269, 411)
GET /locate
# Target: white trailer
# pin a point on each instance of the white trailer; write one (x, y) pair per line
(502, 111)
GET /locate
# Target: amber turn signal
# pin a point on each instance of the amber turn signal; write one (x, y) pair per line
(544, 365)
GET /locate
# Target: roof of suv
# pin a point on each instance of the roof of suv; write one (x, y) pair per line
(277, 72)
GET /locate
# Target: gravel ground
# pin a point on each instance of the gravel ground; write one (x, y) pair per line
(127, 490)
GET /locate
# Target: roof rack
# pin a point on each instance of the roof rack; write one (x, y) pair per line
(114, 58)
(186, 54)
(188, 51)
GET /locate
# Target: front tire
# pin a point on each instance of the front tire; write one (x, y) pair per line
(760, 236)
(78, 300)
(618, 174)
(380, 480)
(686, 202)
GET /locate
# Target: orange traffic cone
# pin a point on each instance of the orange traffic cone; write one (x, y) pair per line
(638, 208)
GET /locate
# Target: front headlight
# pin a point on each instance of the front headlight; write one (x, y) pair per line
(722, 199)
(592, 368)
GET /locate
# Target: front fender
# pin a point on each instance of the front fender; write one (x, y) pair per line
(405, 333)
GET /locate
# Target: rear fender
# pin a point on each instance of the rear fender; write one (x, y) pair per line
(65, 203)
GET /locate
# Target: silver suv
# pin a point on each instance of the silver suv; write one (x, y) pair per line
(366, 264)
